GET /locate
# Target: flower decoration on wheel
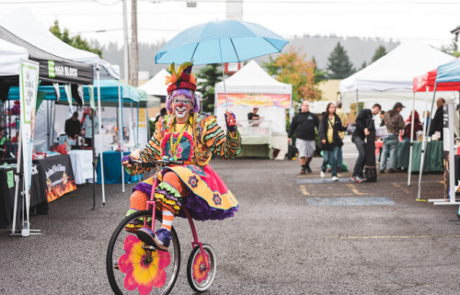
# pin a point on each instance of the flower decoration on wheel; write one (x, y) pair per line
(193, 181)
(142, 272)
(200, 273)
(217, 199)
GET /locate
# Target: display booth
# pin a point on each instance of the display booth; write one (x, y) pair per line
(391, 79)
(252, 87)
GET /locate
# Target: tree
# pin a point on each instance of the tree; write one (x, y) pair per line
(210, 76)
(379, 52)
(451, 49)
(77, 41)
(291, 68)
(363, 65)
(339, 65)
(320, 75)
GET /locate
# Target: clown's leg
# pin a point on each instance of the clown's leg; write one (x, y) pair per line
(169, 196)
(137, 202)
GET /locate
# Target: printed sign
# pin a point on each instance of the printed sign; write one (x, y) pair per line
(254, 100)
(59, 176)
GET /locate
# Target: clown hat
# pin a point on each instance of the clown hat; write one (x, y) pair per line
(182, 79)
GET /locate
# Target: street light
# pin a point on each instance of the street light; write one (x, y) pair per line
(456, 31)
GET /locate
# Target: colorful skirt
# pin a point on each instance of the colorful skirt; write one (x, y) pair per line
(208, 197)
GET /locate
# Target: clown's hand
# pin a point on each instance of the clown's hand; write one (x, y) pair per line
(230, 120)
(126, 159)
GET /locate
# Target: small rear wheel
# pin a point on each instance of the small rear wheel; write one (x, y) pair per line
(132, 269)
(200, 277)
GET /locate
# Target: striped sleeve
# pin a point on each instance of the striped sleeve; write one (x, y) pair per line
(224, 145)
(151, 152)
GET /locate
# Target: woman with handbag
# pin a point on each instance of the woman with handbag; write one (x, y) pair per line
(330, 141)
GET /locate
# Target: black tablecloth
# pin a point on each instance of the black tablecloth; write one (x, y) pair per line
(37, 194)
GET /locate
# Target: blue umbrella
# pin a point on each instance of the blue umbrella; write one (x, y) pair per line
(227, 41)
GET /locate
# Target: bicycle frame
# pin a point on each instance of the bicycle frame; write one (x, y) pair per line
(151, 205)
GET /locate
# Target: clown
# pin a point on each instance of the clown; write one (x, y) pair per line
(191, 137)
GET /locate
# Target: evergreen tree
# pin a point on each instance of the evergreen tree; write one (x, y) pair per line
(379, 52)
(77, 41)
(210, 75)
(320, 75)
(363, 65)
(339, 65)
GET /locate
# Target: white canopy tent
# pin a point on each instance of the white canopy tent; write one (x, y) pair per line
(253, 80)
(10, 58)
(156, 85)
(23, 24)
(390, 78)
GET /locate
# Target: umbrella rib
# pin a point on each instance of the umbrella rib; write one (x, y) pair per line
(235, 50)
(272, 44)
(191, 59)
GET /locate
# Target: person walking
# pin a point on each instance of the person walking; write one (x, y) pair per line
(359, 135)
(303, 125)
(417, 127)
(344, 118)
(437, 123)
(328, 132)
(394, 123)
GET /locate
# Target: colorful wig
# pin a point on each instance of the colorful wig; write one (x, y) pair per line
(187, 93)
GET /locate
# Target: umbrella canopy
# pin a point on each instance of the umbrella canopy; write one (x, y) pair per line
(224, 41)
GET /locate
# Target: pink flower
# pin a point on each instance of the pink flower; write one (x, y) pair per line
(200, 273)
(140, 273)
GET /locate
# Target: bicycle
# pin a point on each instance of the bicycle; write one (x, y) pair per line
(132, 265)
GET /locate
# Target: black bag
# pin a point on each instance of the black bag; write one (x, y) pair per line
(292, 150)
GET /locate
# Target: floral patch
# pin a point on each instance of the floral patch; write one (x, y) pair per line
(217, 200)
(193, 181)
(140, 273)
(197, 170)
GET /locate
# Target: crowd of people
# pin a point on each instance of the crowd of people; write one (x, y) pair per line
(306, 126)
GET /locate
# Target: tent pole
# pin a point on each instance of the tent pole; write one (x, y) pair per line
(120, 136)
(94, 161)
(17, 180)
(100, 132)
(357, 103)
(137, 136)
(411, 141)
(422, 159)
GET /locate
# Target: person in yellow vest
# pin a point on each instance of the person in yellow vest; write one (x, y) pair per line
(344, 118)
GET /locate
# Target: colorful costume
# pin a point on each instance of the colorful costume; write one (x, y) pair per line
(194, 184)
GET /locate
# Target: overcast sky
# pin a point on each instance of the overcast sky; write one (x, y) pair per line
(429, 21)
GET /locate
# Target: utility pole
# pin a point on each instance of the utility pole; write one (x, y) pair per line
(125, 47)
(134, 45)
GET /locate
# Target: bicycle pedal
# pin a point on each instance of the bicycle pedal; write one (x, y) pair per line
(148, 247)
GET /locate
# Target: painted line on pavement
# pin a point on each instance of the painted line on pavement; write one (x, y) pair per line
(402, 188)
(350, 201)
(304, 190)
(354, 189)
(321, 180)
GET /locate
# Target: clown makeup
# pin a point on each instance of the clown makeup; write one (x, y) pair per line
(181, 107)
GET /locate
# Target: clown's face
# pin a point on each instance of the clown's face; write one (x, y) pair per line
(181, 106)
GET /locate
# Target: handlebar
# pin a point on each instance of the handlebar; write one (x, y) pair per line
(155, 163)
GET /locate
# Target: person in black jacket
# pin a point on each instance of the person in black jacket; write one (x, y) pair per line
(359, 135)
(437, 122)
(73, 126)
(328, 132)
(303, 125)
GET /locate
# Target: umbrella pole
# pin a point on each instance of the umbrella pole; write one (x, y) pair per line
(411, 141)
(422, 160)
(225, 88)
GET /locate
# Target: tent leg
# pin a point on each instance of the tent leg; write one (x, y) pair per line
(100, 132)
(94, 164)
(17, 179)
(425, 133)
(411, 141)
(120, 137)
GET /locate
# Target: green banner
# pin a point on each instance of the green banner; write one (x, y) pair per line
(40, 97)
(91, 97)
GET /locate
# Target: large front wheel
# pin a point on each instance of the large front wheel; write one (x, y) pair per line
(199, 276)
(133, 268)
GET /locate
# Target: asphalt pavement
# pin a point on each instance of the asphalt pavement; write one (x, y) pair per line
(293, 235)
